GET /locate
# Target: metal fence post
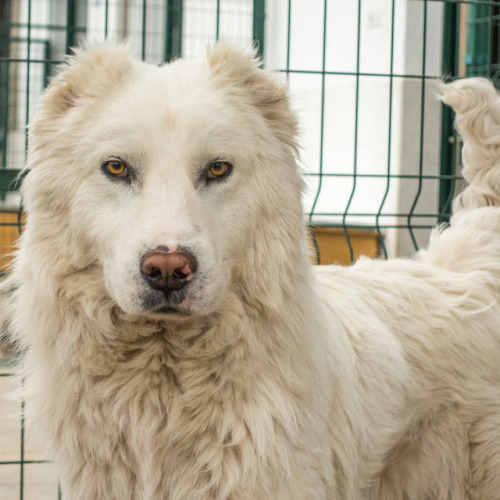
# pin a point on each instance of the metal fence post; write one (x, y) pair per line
(259, 16)
(5, 10)
(448, 146)
(173, 30)
(70, 25)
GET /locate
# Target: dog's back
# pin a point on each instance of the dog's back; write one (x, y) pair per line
(424, 349)
(425, 338)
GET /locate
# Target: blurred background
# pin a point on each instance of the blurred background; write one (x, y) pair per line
(379, 153)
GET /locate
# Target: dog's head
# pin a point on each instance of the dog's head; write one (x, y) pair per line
(176, 180)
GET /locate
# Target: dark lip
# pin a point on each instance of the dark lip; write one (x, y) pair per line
(169, 311)
(156, 300)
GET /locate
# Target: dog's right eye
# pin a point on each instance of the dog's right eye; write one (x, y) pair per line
(115, 168)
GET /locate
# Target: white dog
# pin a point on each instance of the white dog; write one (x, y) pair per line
(178, 343)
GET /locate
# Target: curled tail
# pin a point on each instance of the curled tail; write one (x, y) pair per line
(477, 106)
(471, 243)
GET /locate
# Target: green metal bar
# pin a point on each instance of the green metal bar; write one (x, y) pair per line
(5, 135)
(495, 43)
(70, 25)
(292, 71)
(371, 214)
(322, 126)
(490, 33)
(46, 66)
(173, 38)
(6, 211)
(29, 60)
(448, 134)
(369, 226)
(384, 226)
(28, 74)
(22, 461)
(389, 142)
(49, 27)
(8, 224)
(356, 120)
(384, 176)
(5, 14)
(4, 111)
(9, 179)
(422, 119)
(288, 37)
(144, 12)
(19, 218)
(217, 21)
(468, 2)
(478, 41)
(26, 462)
(106, 18)
(21, 466)
(259, 17)
(354, 73)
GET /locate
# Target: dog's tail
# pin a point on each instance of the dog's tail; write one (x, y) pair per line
(477, 106)
(471, 243)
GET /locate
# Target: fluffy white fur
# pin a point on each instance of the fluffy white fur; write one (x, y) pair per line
(272, 379)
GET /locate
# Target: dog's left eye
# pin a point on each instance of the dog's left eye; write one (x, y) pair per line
(218, 170)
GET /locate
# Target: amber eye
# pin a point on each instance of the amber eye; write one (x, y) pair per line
(116, 168)
(218, 170)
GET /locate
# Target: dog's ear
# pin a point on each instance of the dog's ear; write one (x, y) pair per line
(93, 71)
(239, 69)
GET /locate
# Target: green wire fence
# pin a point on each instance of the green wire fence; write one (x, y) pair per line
(379, 152)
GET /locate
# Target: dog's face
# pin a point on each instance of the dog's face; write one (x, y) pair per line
(165, 178)
(161, 174)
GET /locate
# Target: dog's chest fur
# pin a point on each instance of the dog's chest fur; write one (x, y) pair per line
(169, 418)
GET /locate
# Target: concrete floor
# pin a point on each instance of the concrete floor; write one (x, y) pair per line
(39, 480)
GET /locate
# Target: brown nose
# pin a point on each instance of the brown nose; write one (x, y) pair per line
(168, 271)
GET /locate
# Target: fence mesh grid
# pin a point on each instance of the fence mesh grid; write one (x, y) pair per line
(379, 152)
